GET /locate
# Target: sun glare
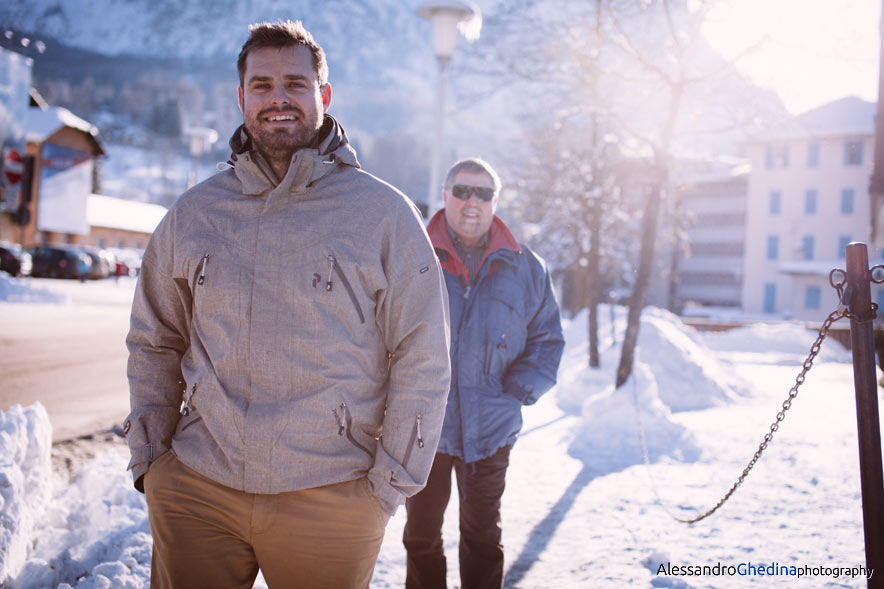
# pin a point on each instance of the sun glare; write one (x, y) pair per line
(809, 51)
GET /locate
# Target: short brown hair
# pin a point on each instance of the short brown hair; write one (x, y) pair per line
(282, 34)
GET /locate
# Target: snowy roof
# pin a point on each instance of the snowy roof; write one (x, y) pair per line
(41, 124)
(118, 213)
(845, 116)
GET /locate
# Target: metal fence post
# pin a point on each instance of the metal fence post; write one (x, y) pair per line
(868, 429)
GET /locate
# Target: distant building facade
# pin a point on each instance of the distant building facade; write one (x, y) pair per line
(58, 203)
(807, 199)
(60, 158)
(710, 269)
(119, 223)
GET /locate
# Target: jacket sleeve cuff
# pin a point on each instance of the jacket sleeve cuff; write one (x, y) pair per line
(513, 389)
(149, 435)
(389, 482)
(140, 462)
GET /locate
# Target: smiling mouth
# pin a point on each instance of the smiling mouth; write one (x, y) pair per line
(277, 118)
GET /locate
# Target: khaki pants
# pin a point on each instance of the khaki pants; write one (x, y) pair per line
(208, 535)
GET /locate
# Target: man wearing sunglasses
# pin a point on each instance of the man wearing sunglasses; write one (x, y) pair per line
(506, 343)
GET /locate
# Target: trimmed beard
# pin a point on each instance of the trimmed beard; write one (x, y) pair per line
(281, 144)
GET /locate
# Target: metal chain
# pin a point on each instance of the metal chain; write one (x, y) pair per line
(839, 313)
(781, 415)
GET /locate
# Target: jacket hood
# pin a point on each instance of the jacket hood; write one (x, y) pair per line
(332, 147)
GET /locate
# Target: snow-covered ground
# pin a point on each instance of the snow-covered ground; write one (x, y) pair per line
(581, 508)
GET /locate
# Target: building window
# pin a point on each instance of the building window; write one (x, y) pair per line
(843, 241)
(847, 201)
(121, 244)
(807, 247)
(813, 155)
(768, 157)
(812, 297)
(102, 242)
(775, 202)
(773, 247)
(770, 297)
(784, 156)
(853, 153)
(810, 198)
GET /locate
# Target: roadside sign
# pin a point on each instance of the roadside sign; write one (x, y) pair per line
(13, 166)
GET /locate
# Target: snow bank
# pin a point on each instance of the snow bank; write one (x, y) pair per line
(676, 355)
(20, 290)
(95, 534)
(678, 358)
(91, 533)
(610, 437)
(25, 481)
(780, 343)
(674, 371)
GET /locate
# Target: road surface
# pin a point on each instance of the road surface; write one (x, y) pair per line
(71, 357)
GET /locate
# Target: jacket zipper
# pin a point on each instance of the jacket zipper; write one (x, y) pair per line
(202, 276)
(345, 422)
(416, 435)
(333, 266)
(185, 404)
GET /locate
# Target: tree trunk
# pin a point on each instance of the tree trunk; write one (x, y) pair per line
(642, 281)
(673, 303)
(592, 279)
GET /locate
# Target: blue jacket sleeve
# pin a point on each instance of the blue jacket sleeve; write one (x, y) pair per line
(535, 370)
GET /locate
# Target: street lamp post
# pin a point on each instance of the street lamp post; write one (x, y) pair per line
(447, 17)
(201, 139)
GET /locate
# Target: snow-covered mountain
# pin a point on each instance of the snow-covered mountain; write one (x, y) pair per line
(370, 45)
(212, 28)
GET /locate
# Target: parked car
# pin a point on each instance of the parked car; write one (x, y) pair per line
(14, 259)
(58, 261)
(103, 262)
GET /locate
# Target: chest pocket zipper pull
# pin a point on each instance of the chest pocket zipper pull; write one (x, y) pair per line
(331, 267)
(420, 436)
(185, 405)
(342, 427)
(202, 277)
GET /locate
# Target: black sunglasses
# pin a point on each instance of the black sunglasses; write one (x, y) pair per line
(463, 192)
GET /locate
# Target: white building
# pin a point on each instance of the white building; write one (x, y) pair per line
(710, 271)
(807, 199)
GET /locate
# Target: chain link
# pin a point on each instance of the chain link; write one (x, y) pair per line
(834, 316)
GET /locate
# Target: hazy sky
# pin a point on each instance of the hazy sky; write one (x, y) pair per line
(816, 50)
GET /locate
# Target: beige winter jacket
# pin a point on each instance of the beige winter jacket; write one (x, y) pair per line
(291, 335)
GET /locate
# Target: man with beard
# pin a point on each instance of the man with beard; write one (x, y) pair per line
(288, 345)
